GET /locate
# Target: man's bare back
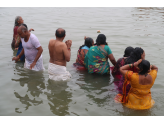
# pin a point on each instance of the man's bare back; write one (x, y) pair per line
(56, 51)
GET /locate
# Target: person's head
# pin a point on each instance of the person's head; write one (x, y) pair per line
(138, 53)
(144, 67)
(23, 30)
(128, 51)
(88, 42)
(60, 33)
(101, 39)
(18, 21)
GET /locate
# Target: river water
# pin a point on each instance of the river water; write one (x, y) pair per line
(26, 92)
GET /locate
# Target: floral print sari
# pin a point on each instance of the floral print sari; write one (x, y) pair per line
(96, 60)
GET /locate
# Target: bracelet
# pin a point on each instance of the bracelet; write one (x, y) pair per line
(130, 65)
(18, 56)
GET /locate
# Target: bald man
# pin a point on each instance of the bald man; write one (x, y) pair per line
(60, 53)
(31, 48)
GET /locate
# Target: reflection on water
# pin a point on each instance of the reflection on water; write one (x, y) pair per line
(96, 86)
(59, 97)
(35, 84)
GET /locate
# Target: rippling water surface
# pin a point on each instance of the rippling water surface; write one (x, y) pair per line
(26, 92)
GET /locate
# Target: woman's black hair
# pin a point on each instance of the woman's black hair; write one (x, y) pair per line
(101, 39)
(144, 67)
(88, 42)
(128, 51)
(134, 56)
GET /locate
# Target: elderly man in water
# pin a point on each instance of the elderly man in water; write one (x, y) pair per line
(60, 53)
(31, 48)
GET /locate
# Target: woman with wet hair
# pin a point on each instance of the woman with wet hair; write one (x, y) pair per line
(139, 96)
(83, 51)
(96, 60)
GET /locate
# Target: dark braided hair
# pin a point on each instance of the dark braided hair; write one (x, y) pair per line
(101, 39)
(144, 67)
(88, 42)
(134, 56)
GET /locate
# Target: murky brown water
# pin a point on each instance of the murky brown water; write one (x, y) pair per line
(26, 92)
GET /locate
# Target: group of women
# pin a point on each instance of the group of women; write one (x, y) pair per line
(134, 76)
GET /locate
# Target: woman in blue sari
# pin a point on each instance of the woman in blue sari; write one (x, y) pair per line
(96, 60)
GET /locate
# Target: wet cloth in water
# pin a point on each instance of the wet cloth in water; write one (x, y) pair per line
(38, 66)
(58, 73)
(96, 60)
(139, 96)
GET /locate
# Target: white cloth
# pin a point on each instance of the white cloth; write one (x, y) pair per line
(38, 66)
(30, 46)
(58, 73)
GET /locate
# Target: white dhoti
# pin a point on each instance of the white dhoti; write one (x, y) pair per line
(58, 73)
(38, 66)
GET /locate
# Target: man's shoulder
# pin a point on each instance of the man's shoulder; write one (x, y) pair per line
(33, 36)
(53, 41)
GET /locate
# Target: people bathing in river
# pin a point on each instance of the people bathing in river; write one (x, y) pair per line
(60, 53)
(82, 52)
(31, 48)
(16, 37)
(138, 76)
(138, 53)
(139, 96)
(96, 60)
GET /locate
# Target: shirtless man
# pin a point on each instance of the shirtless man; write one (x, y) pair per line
(60, 53)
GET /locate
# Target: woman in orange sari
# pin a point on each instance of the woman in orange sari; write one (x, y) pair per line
(82, 52)
(139, 96)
